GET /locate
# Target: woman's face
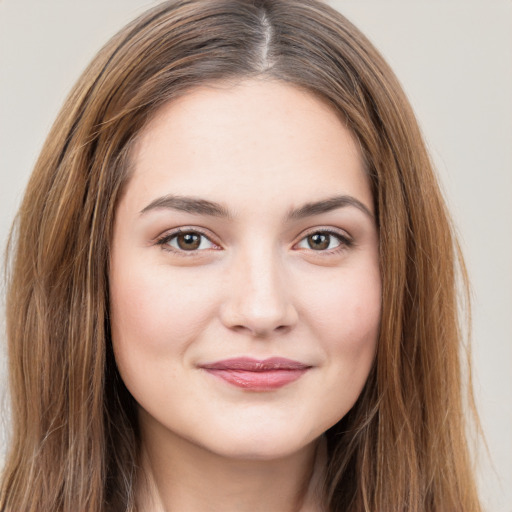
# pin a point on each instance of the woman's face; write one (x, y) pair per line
(245, 285)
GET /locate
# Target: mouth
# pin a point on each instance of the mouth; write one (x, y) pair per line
(257, 375)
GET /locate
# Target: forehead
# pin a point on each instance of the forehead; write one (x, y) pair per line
(257, 138)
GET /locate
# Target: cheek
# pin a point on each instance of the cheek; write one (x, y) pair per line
(156, 315)
(156, 312)
(345, 319)
(347, 307)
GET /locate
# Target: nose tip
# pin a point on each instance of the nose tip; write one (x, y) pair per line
(261, 322)
(259, 303)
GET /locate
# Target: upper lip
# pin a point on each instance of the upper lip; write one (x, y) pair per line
(249, 364)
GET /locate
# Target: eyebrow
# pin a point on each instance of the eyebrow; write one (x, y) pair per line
(189, 205)
(327, 205)
(200, 206)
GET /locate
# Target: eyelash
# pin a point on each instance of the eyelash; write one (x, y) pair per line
(345, 242)
(164, 241)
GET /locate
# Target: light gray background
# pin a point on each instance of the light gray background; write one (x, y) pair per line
(454, 59)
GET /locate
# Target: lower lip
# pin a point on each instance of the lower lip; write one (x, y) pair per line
(259, 381)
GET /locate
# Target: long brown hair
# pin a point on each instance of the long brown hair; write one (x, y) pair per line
(75, 441)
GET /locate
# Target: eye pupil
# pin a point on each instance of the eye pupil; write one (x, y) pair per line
(188, 241)
(318, 241)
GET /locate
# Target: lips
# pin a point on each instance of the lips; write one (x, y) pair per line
(257, 375)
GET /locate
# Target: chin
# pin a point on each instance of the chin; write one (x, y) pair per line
(261, 445)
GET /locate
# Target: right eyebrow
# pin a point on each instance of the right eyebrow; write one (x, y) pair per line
(187, 204)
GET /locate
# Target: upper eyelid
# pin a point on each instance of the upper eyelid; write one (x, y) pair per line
(166, 236)
(325, 229)
(346, 241)
(169, 233)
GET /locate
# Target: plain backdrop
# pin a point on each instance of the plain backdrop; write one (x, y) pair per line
(454, 59)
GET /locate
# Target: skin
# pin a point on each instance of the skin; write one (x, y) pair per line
(255, 286)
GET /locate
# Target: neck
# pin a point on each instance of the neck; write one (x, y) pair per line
(183, 476)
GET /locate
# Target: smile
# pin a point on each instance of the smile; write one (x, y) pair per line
(257, 375)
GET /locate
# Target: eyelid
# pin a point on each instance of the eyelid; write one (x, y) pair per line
(345, 239)
(163, 240)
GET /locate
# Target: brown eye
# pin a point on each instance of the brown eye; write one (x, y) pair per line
(188, 241)
(319, 241)
(324, 241)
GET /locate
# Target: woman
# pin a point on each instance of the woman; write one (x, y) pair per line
(233, 280)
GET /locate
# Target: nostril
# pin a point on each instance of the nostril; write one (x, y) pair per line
(280, 329)
(260, 332)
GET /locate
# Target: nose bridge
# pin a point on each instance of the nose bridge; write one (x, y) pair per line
(259, 297)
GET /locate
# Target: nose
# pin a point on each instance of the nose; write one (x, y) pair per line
(258, 297)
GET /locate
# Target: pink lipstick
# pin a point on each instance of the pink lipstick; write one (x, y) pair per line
(257, 375)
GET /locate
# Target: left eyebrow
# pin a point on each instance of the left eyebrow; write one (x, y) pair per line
(327, 205)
